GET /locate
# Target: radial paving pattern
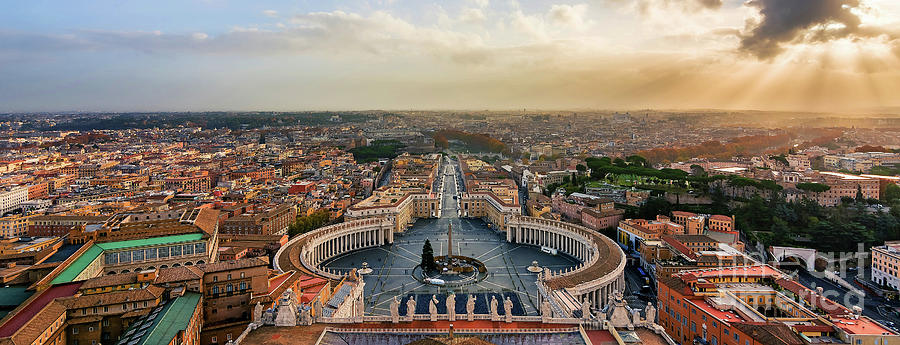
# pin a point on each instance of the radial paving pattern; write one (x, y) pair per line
(393, 264)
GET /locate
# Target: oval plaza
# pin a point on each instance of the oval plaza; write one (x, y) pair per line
(534, 263)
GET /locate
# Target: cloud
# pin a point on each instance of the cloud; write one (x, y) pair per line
(569, 15)
(649, 6)
(481, 3)
(472, 15)
(337, 32)
(270, 13)
(531, 25)
(796, 21)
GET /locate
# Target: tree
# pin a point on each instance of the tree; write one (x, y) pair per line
(813, 187)
(428, 264)
(308, 223)
(697, 170)
(654, 206)
(892, 192)
(638, 160)
(581, 168)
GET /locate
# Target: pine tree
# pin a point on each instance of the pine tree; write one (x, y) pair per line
(427, 257)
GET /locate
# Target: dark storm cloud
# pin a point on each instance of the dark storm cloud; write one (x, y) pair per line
(786, 21)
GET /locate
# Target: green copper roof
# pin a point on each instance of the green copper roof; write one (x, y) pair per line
(80, 263)
(164, 323)
(147, 242)
(83, 261)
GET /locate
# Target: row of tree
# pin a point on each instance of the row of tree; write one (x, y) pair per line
(774, 221)
(746, 145)
(304, 224)
(377, 150)
(475, 142)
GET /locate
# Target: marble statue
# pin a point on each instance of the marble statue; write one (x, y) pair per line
(618, 314)
(432, 308)
(286, 316)
(586, 309)
(257, 313)
(507, 309)
(494, 315)
(546, 311)
(547, 273)
(317, 308)
(410, 308)
(305, 317)
(451, 307)
(470, 307)
(650, 313)
(395, 310)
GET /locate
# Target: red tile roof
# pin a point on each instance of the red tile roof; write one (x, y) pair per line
(27, 310)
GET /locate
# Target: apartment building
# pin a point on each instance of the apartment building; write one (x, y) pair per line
(12, 197)
(886, 264)
(748, 304)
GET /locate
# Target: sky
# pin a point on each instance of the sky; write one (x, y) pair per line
(197, 55)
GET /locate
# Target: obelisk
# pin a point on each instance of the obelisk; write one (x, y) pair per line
(449, 242)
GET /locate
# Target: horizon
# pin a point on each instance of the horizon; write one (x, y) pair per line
(836, 56)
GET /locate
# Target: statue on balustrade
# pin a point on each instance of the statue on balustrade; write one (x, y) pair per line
(650, 313)
(410, 308)
(305, 317)
(395, 310)
(451, 307)
(257, 313)
(494, 315)
(546, 311)
(470, 307)
(432, 308)
(586, 309)
(507, 309)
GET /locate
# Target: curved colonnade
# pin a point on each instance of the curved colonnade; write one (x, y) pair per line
(603, 262)
(599, 275)
(304, 253)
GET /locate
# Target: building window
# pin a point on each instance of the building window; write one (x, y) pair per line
(215, 290)
(228, 288)
(111, 258)
(105, 323)
(74, 330)
(243, 286)
(213, 340)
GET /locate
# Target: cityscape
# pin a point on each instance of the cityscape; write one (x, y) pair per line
(704, 172)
